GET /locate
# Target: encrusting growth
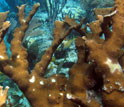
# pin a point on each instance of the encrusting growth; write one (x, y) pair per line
(97, 71)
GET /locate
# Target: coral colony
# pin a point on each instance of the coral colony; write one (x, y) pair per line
(96, 79)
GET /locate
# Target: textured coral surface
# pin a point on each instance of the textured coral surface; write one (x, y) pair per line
(97, 71)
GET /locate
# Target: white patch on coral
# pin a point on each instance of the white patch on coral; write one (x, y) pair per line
(1, 57)
(69, 96)
(111, 87)
(33, 89)
(61, 94)
(41, 83)
(53, 80)
(111, 14)
(18, 56)
(47, 56)
(2, 94)
(50, 95)
(113, 66)
(122, 89)
(32, 80)
(104, 88)
(11, 66)
(7, 87)
(117, 83)
(89, 101)
(24, 20)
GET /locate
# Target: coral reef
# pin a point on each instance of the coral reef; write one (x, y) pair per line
(3, 96)
(54, 7)
(89, 5)
(97, 77)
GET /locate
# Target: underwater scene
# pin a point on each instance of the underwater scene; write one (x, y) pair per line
(61, 53)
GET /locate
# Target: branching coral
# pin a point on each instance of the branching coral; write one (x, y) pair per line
(98, 69)
(89, 5)
(3, 95)
(106, 56)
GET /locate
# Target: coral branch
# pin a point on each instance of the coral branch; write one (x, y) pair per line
(4, 25)
(17, 68)
(3, 95)
(97, 71)
(82, 103)
(106, 56)
(60, 32)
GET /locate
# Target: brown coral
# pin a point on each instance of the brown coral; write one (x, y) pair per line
(3, 95)
(98, 68)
